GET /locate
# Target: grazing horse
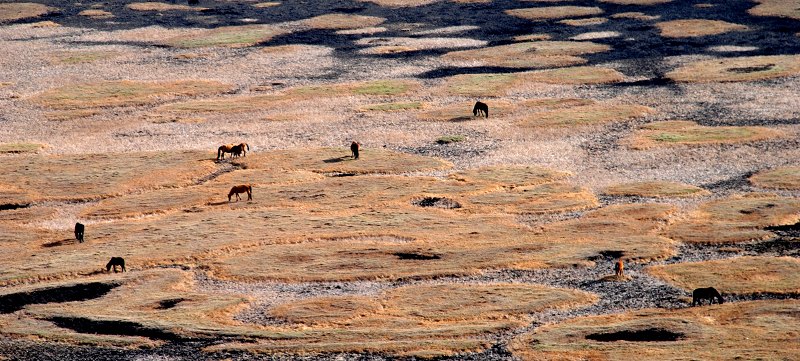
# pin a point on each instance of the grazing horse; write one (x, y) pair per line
(241, 189)
(619, 268)
(708, 293)
(354, 149)
(114, 262)
(232, 148)
(79, 232)
(240, 150)
(480, 108)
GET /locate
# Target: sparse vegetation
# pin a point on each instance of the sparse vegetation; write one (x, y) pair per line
(778, 178)
(554, 12)
(124, 93)
(717, 332)
(585, 115)
(157, 6)
(736, 219)
(742, 275)
(342, 21)
(656, 189)
(696, 27)
(20, 147)
(391, 107)
(689, 133)
(449, 139)
(227, 36)
(748, 68)
(17, 11)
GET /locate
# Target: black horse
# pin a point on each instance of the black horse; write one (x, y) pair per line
(480, 108)
(354, 148)
(709, 293)
(114, 262)
(79, 232)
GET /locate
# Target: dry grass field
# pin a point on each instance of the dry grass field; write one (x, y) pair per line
(659, 133)
(736, 276)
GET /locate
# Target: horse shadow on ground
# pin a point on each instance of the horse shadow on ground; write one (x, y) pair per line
(63, 242)
(338, 159)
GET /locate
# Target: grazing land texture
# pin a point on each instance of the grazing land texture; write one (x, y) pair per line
(314, 180)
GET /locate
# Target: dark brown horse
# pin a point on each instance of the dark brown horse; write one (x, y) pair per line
(480, 108)
(79, 228)
(354, 146)
(240, 148)
(114, 262)
(708, 293)
(241, 189)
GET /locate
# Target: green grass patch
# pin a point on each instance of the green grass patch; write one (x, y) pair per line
(447, 139)
(390, 107)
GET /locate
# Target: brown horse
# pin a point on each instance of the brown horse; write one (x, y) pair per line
(241, 189)
(354, 146)
(114, 262)
(233, 149)
(708, 293)
(619, 268)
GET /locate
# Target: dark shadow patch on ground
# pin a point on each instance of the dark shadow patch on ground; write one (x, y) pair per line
(81, 292)
(167, 304)
(121, 328)
(436, 202)
(414, 256)
(13, 206)
(646, 335)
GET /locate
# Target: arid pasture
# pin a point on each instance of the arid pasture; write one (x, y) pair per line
(660, 132)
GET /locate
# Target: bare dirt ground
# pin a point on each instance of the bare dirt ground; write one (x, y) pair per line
(663, 132)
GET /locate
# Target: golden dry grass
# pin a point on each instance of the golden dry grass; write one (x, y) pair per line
(481, 84)
(541, 199)
(511, 176)
(671, 133)
(157, 6)
(628, 228)
(533, 54)
(742, 275)
(102, 175)
(745, 330)
(434, 303)
(342, 21)
(268, 4)
(391, 107)
(554, 12)
(400, 3)
(82, 57)
(575, 75)
(656, 189)
(96, 13)
(780, 8)
(584, 22)
(555, 103)
(462, 111)
(735, 219)
(747, 68)
(124, 93)
(20, 147)
(585, 115)
(226, 36)
(532, 37)
(778, 178)
(636, 16)
(696, 27)
(331, 160)
(17, 11)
